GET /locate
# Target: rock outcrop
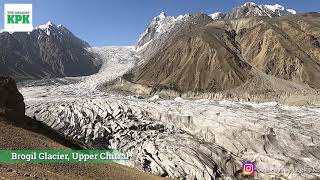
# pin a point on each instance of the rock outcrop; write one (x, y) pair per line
(12, 106)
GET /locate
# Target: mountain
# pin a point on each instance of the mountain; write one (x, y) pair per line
(185, 24)
(188, 63)
(48, 51)
(216, 58)
(250, 9)
(251, 53)
(285, 47)
(163, 24)
(159, 25)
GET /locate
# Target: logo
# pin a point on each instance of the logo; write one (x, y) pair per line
(248, 168)
(18, 17)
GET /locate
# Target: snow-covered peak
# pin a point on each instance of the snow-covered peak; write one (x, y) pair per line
(276, 10)
(49, 23)
(159, 25)
(163, 23)
(249, 4)
(251, 9)
(50, 28)
(45, 26)
(162, 15)
(181, 17)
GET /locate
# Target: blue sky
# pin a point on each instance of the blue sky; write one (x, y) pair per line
(120, 22)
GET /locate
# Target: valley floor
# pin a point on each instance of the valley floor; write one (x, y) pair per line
(179, 138)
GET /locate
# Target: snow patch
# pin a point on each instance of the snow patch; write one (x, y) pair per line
(292, 11)
(217, 15)
(46, 27)
(178, 99)
(162, 15)
(155, 97)
(277, 10)
(276, 7)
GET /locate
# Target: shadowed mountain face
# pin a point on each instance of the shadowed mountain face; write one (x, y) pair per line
(255, 55)
(47, 51)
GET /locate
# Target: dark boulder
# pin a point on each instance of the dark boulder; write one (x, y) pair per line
(12, 106)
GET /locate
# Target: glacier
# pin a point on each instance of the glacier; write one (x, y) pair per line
(178, 138)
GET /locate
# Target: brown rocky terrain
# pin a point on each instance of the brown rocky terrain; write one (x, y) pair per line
(286, 47)
(190, 63)
(253, 56)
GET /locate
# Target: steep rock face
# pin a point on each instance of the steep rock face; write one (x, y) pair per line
(11, 101)
(47, 51)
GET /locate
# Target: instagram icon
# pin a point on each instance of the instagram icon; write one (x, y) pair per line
(248, 168)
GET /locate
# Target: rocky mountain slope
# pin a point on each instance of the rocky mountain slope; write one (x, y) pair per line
(47, 51)
(283, 47)
(255, 55)
(189, 63)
